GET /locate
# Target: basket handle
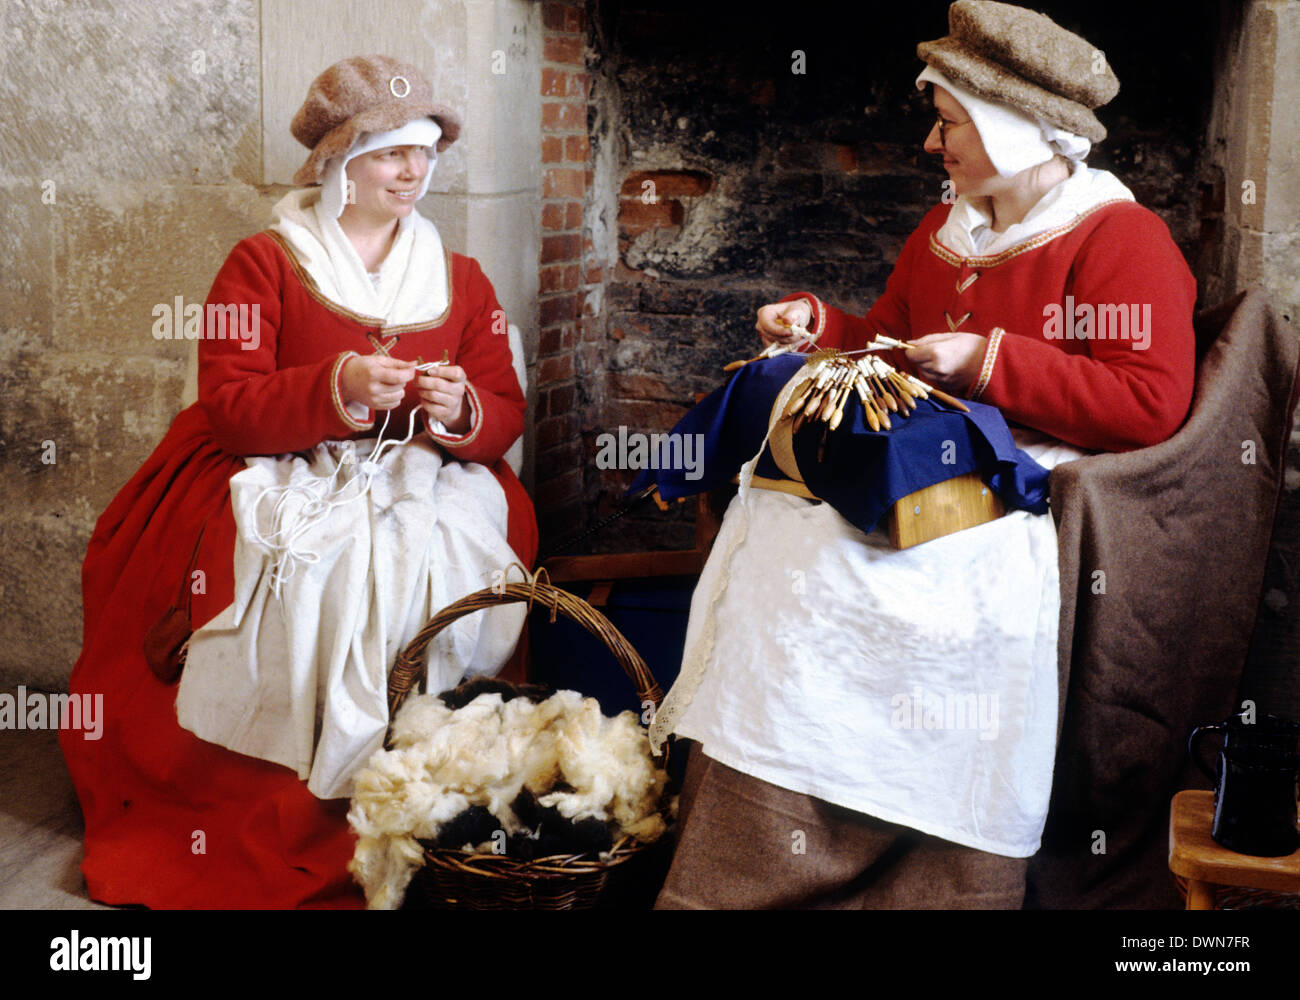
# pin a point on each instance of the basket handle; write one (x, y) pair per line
(409, 668)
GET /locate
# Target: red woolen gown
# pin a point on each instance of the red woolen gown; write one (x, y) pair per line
(172, 821)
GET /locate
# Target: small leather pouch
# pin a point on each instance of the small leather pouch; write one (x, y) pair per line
(168, 641)
(166, 644)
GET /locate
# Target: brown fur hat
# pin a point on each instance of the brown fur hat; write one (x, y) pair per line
(363, 94)
(1022, 58)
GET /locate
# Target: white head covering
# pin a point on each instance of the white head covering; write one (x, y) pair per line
(334, 179)
(1013, 140)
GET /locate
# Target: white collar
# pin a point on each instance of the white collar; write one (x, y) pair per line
(412, 286)
(968, 230)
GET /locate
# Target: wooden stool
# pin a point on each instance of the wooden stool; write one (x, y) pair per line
(1195, 856)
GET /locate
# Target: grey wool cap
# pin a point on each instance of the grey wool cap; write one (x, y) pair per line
(1025, 59)
(363, 94)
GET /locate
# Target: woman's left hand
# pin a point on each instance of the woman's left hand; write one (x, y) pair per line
(951, 361)
(442, 395)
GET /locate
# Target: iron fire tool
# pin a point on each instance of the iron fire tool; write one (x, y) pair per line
(633, 501)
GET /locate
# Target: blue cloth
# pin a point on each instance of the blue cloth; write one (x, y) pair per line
(863, 472)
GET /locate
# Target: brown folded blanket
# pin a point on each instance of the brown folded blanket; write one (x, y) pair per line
(1162, 558)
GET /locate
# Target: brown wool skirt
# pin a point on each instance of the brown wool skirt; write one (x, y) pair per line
(747, 844)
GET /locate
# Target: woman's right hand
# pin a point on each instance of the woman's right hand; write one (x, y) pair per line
(375, 381)
(775, 320)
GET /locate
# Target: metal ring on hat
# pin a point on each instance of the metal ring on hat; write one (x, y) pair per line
(392, 86)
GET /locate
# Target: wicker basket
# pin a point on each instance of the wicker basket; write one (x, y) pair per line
(452, 879)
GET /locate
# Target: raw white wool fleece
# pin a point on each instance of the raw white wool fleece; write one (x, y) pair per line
(483, 754)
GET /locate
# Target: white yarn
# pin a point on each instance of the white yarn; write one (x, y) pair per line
(289, 524)
(483, 754)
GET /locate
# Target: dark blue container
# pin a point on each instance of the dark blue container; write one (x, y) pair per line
(651, 613)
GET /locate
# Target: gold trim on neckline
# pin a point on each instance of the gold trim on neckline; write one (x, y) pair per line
(1033, 243)
(372, 322)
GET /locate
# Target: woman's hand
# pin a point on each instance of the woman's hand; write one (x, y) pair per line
(775, 320)
(443, 397)
(949, 360)
(375, 381)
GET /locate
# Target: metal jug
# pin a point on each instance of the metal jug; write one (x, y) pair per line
(1255, 784)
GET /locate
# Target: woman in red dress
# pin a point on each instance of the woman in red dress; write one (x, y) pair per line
(337, 301)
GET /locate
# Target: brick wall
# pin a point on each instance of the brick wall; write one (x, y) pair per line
(733, 159)
(564, 277)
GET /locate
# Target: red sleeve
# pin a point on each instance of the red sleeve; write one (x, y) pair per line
(253, 407)
(496, 401)
(838, 329)
(1124, 393)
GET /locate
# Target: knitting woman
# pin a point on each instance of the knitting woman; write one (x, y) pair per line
(302, 554)
(883, 733)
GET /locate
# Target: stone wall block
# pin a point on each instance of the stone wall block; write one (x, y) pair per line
(40, 596)
(128, 93)
(75, 428)
(27, 292)
(119, 273)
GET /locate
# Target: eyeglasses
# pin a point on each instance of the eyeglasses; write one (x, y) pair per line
(943, 125)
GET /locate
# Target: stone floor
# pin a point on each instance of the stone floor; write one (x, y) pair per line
(40, 826)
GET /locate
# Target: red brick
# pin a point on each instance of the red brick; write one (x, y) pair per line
(577, 148)
(558, 248)
(558, 278)
(558, 460)
(595, 275)
(559, 490)
(560, 399)
(552, 149)
(574, 19)
(558, 309)
(626, 275)
(548, 342)
(553, 217)
(550, 279)
(562, 50)
(625, 385)
(573, 215)
(566, 338)
(645, 416)
(553, 15)
(555, 369)
(668, 183)
(555, 430)
(556, 83)
(557, 183)
(634, 216)
(564, 116)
